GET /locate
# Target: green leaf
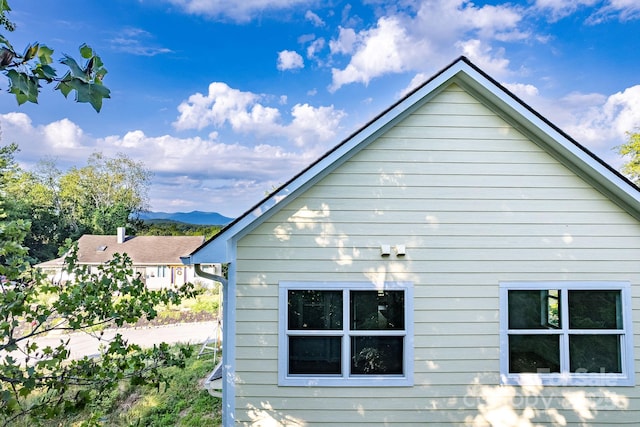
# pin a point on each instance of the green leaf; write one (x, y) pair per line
(75, 69)
(64, 86)
(100, 74)
(4, 6)
(93, 93)
(21, 98)
(23, 86)
(45, 55)
(45, 72)
(85, 51)
(97, 63)
(30, 52)
(4, 41)
(17, 80)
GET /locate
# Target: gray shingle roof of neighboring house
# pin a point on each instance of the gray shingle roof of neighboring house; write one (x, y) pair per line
(149, 250)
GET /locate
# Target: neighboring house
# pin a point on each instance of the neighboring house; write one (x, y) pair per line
(155, 258)
(458, 261)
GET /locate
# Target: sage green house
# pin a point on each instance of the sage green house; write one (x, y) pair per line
(457, 261)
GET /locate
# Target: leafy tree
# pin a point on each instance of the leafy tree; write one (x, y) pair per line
(98, 198)
(105, 194)
(174, 228)
(29, 199)
(11, 222)
(631, 150)
(27, 70)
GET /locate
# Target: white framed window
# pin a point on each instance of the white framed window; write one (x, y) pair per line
(566, 333)
(345, 334)
(162, 271)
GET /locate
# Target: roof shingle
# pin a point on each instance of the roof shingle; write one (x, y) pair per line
(98, 249)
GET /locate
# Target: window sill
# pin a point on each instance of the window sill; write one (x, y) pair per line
(569, 380)
(356, 381)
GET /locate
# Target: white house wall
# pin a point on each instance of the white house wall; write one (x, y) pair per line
(475, 203)
(174, 276)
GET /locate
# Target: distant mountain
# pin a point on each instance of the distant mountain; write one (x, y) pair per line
(194, 217)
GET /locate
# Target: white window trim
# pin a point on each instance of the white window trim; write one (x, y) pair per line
(566, 378)
(345, 380)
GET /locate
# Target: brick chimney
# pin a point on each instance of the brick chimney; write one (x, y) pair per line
(122, 234)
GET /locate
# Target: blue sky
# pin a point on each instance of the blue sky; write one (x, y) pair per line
(223, 100)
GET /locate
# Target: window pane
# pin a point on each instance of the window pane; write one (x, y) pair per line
(377, 310)
(314, 355)
(316, 310)
(376, 355)
(595, 353)
(534, 309)
(534, 353)
(595, 310)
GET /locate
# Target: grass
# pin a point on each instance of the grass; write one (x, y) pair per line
(182, 403)
(203, 307)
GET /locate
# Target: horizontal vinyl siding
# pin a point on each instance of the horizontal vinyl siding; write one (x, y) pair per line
(475, 203)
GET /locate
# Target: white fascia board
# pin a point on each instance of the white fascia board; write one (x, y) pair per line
(213, 252)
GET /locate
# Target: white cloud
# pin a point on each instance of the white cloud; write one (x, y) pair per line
(482, 55)
(241, 11)
(623, 10)
(207, 174)
(220, 105)
(244, 113)
(63, 134)
(561, 8)
(315, 47)
(311, 123)
(197, 173)
(597, 121)
(61, 138)
(424, 40)
(416, 81)
(522, 90)
(17, 120)
(170, 154)
(379, 51)
(190, 173)
(289, 60)
(315, 19)
(132, 41)
(345, 43)
(603, 120)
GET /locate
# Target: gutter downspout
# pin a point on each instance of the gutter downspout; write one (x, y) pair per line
(186, 260)
(227, 403)
(199, 272)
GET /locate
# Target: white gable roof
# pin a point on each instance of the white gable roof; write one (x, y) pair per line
(221, 248)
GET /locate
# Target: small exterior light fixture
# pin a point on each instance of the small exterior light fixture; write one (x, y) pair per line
(385, 250)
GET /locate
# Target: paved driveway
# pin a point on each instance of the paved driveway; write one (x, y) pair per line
(83, 344)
